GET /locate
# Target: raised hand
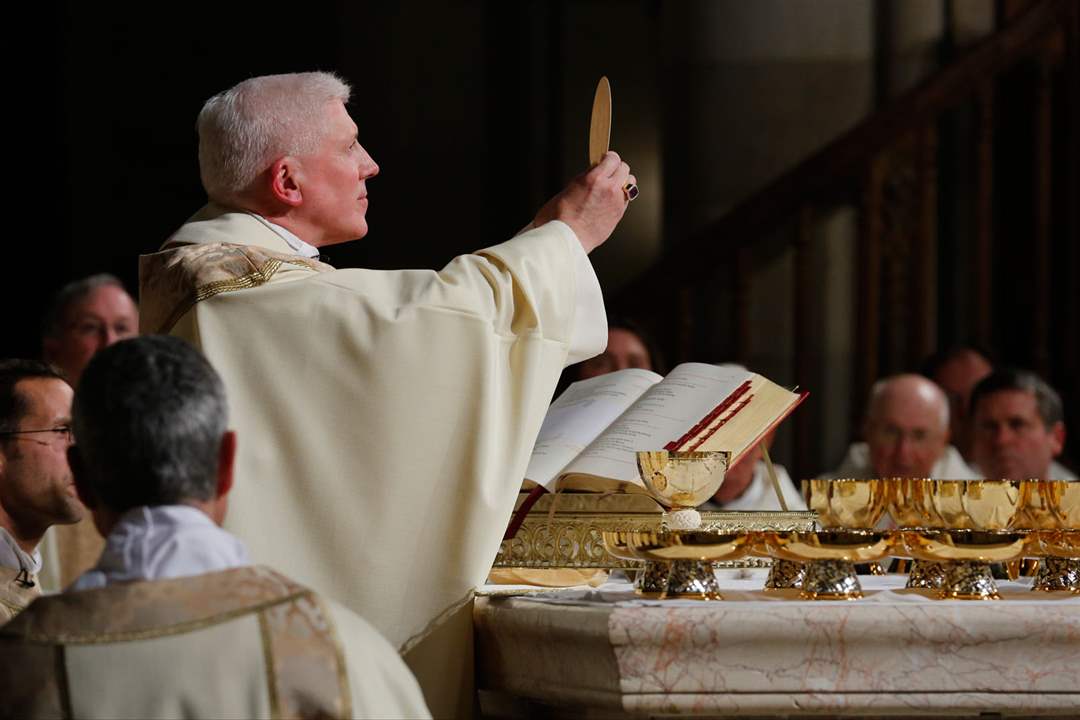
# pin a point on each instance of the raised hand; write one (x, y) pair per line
(593, 203)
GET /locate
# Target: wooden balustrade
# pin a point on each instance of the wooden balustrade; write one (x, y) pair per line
(887, 168)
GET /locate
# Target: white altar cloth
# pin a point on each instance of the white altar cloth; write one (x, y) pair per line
(606, 653)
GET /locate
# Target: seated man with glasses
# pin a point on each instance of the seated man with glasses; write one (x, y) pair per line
(36, 489)
(173, 620)
(906, 432)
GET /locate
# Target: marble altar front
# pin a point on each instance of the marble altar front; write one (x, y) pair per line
(894, 653)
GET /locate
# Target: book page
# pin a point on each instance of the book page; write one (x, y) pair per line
(579, 415)
(664, 413)
(767, 404)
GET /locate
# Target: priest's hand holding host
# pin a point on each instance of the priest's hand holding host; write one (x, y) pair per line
(593, 203)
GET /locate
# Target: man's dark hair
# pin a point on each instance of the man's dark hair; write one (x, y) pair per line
(1047, 401)
(12, 403)
(70, 294)
(931, 365)
(149, 415)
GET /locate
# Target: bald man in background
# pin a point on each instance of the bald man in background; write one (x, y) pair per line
(906, 433)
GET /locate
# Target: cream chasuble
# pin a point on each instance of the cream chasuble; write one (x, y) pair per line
(384, 419)
(242, 643)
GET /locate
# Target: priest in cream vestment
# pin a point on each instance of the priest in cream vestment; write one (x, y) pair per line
(388, 416)
(173, 621)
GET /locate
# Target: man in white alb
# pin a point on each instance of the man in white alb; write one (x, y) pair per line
(389, 415)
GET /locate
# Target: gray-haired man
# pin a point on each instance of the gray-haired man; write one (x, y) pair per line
(400, 407)
(173, 621)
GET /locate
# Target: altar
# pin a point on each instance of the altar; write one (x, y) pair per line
(605, 652)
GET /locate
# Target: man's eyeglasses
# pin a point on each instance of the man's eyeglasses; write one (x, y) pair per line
(64, 432)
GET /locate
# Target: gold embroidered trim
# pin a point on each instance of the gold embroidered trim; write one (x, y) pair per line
(259, 276)
(439, 619)
(150, 634)
(339, 652)
(271, 672)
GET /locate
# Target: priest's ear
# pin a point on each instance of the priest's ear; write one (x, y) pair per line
(285, 175)
(226, 464)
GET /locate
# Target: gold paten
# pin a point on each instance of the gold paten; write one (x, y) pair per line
(688, 554)
(829, 557)
(569, 535)
(967, 554)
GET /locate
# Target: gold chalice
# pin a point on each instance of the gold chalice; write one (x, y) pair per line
(829, 557)
(679, 481)
(977, 518)
(846, 503)
(689, 555)
(911, 509)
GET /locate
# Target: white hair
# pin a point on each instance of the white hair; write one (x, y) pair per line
(244, 129)
(923, 387)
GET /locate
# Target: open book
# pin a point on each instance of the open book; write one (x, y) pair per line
(592, 431)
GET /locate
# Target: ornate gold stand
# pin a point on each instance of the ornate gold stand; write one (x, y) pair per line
(831, 580)
(1057, 574)
(968, 580)
(785, 574)
(926, 574)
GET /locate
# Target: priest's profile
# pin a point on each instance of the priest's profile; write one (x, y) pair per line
(389, 415)
(173, 620)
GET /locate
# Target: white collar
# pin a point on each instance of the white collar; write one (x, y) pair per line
(298, 245)
(13, 556)
(165, 541)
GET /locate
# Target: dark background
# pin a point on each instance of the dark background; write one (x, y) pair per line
(451, 100)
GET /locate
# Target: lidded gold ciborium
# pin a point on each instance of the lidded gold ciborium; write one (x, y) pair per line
(977, 526)
(1051, 508)
(848, 510)
(679, 555)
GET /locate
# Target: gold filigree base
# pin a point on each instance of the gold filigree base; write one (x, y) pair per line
(926, 575)
(830, 580)
(968, 580)
(691, 580)
(785, 574)
(652, 578)
(1057, 575)
(565, 530)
